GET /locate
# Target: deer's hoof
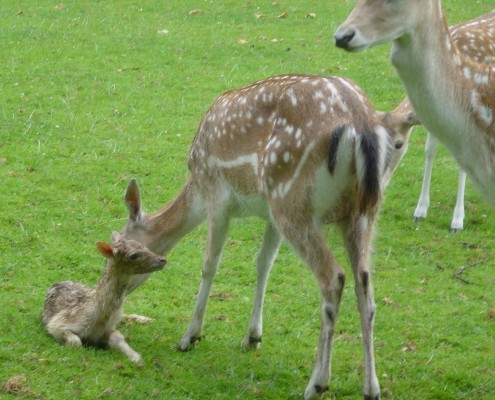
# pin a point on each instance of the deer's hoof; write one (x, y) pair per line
(314, 392)
(187, 344)
(251, 343)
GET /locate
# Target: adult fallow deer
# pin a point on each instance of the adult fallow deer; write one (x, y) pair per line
(453, 96)
(476, 40)
(299, 151)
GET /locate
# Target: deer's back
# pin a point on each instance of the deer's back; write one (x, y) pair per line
(476, 38)
(253, 141)
(66, 297)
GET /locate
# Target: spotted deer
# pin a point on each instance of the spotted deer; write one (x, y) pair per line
(298, 151)
(453, 96)
(476, 40)
(76, 314)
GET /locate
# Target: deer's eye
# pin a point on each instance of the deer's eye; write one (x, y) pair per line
(134, 257)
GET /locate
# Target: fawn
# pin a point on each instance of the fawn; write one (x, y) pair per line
(76, 314)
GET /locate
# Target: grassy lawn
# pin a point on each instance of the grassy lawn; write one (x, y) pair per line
(94, 93)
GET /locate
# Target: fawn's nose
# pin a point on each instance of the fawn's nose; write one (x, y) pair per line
(342, 39)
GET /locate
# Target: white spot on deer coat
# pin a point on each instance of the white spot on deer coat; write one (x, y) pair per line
(273, 158)
(283, 188)
(484, 112)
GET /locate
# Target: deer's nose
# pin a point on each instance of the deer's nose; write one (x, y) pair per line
(343, 39)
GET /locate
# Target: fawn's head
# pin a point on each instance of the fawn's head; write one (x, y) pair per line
(130, 257)
(399, 124)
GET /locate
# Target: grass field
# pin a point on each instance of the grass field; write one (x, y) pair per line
(94, 93)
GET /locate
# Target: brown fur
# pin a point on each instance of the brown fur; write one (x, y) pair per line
(76, 314)
(270, 150)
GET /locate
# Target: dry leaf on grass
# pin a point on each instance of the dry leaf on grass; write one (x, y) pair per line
(195, 12)
(388, 301)
(222, 296)
(409, 346)
(285, 14)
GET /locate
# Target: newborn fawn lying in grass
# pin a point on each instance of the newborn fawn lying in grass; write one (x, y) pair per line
(76, 314)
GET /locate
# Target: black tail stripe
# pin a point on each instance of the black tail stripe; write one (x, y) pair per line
(370, 149)
(334, 147)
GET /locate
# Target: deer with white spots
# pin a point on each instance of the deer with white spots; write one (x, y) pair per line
(476, 40)
(298, 151)
(76, 314)
(453, 96)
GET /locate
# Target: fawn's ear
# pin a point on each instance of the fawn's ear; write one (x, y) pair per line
(105, 249)
(133, 200)
(412, 119)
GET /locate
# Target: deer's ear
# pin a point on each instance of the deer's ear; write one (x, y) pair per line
(105, 249)
(412, 119)
(133, 200)
(116, 236)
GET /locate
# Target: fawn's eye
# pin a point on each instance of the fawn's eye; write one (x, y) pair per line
(134, 256)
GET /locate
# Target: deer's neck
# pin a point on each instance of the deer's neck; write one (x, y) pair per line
(110, 292)
(180, 216)
(449, 94)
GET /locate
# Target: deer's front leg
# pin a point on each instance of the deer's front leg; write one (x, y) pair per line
(266, 257)
(457, 223)
(421, 210)
(117, 341)
(217, 233)
(358, 235)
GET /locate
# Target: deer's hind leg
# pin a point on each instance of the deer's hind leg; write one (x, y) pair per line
(303, 233)
(358, 234)
(70, 339)
(62, 333)
(264, 262)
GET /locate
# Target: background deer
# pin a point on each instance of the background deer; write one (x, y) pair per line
(76, 314)
(453, 96)
(298, 151)
(476, 40)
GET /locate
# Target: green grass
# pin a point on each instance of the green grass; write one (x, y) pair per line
(94, 93)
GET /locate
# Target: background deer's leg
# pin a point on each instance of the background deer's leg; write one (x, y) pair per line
(424, 198)
(457, 223)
